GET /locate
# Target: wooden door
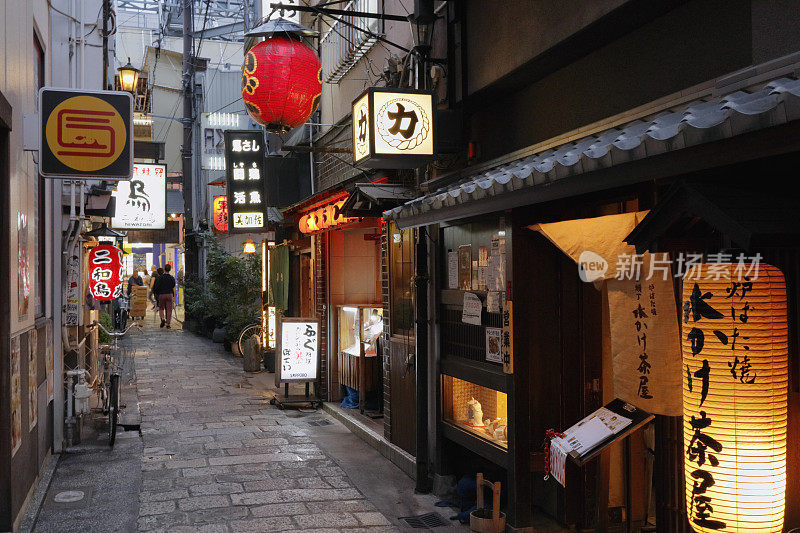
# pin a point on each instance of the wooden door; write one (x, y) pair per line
(402, 390)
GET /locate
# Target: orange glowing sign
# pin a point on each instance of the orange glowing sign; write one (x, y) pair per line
(86, 133)
(323, 218)
(221, 214)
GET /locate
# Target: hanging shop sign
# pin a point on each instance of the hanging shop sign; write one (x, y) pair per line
(220, 208)
(281, 83)
(244, 170)
(297, 350)
(393, 128)
(141, 202)
(105, 272)
(85, 134)
(323, 218)
(735, 356)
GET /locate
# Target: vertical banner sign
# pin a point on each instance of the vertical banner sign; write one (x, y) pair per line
(33, 380)
(735, 357)
(298, 350)
(105, 272)
(85, 134)
(221, 214)
(72, 292)
(16, 397)
(141, 202)
(244, 169)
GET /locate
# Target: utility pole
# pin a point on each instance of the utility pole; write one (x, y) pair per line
(190, 241)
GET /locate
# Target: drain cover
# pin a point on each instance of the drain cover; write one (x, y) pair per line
(425, 521)
(69, 496)
(319, 423)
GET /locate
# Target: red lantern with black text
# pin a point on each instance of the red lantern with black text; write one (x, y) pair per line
(105, 272)
(281, 83)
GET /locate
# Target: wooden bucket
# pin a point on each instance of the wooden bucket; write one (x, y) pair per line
(487, 520)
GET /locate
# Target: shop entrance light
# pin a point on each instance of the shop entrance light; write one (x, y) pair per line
(249, 246)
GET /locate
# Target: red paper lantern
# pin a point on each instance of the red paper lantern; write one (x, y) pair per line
(105, 272)
(281, 83)
(221, 214)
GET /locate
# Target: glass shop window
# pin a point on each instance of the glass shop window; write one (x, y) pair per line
(478, 410)
(401, 276)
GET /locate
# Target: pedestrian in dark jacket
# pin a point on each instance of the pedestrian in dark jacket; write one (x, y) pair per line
(164, 288)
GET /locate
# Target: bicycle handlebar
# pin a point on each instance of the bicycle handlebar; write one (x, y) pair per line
(117, 333)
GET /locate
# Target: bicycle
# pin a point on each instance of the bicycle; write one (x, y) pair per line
(246, 333)
(108, 385)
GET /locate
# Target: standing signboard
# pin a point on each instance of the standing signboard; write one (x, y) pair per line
(85, 134)
(244, 171)
(141, 202)
(296, 356)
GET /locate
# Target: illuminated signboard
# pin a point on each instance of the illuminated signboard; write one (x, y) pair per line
(141, 202)
(244, 170)
(221, 214)
(213, 142)
(393, 128)
(86, 134)
(105, 272)
(323, 218)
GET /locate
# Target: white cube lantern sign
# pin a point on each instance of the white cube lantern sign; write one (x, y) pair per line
(393, 128)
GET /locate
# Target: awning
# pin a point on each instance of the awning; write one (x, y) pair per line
(560, 171)
(746, 217)
(175, 201)
(372, 199)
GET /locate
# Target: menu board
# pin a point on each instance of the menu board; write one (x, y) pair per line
(297, 350)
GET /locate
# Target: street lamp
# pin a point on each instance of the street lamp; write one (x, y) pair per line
(128, 77)
(422, 21)
(249, 246)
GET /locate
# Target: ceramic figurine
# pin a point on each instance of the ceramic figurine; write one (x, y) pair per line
(474, 413)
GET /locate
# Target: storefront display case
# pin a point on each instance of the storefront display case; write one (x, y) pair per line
(478, 410)
(359, 327)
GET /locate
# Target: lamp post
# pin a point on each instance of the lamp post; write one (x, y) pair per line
(128, 77)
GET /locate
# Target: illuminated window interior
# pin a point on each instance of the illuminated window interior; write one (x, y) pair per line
(479, 410)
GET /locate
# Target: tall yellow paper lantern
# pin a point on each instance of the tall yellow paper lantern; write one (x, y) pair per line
(735, 357)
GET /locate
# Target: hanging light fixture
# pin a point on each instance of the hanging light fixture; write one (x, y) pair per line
(128, 77)
(249, 246)
(422, 21)
(735, 359)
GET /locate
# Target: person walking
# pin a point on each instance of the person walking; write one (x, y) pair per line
(164, 289)
(150, 282)
(135, 279)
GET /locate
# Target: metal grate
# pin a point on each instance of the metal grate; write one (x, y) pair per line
(319, 423)
(425, 521)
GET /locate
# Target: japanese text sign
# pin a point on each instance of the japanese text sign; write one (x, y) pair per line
(393, 128)
(86, 134)
(221, 214)
(141, 202)
(297, 350)
(105, 272)
(244, 170)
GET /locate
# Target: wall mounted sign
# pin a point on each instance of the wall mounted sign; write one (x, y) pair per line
(141, 202)
(393, 128)
(105, 272)
(297, 350)
(85, 134)
(213, 143)
(244, 170)
(323, 218)
(220, 211)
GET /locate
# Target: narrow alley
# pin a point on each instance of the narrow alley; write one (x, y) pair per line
(214, 455)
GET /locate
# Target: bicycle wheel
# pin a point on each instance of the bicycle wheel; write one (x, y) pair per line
(113, 409)
(249, 331)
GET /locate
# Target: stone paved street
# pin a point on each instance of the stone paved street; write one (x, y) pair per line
(216, 456)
